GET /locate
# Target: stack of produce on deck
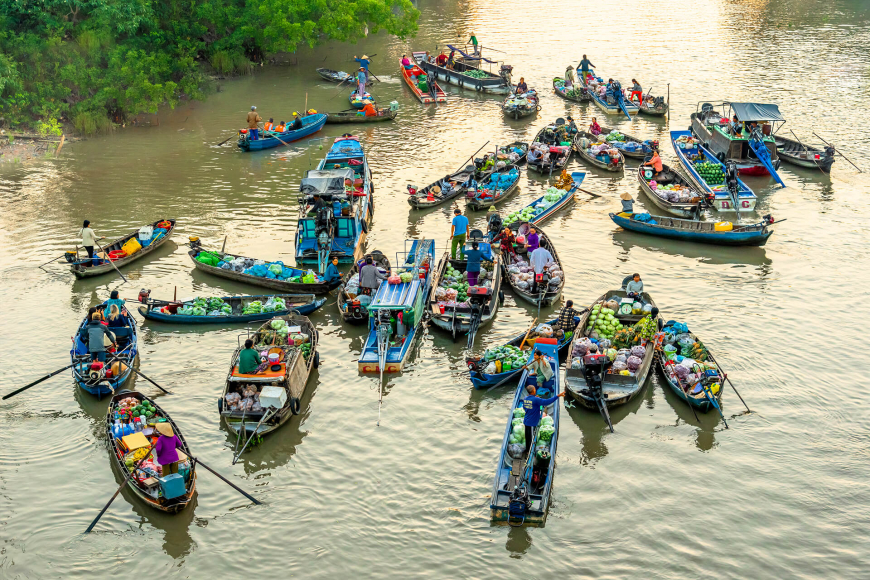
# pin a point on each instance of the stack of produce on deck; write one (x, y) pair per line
(619, 141)
(603, 322)
(476, 74)
(602, 150)
(203, 307)
(259, 268)
(518, 430)
(673, 192)
(575, 92)
(529, 213)
(453, 288)
(511, 154)
(522, 275)
(687, 142)
(248, 400)
(498, 183)
(711, 173)
(686, 358)
(503, 359)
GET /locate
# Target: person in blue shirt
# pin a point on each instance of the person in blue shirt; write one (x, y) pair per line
(332, 274)
(364, 61)
(532, 404)
(458, 233)
(113, 299)
(473, 256)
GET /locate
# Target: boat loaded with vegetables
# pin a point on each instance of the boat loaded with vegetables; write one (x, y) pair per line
(261, 400)
(227, 309)
(551, 150)
(705, 232)
(494, 188)
(521, 491)
(466, 71)
(688, 369)
(397, 309)
(577, 93)
(521, 275)
(353, 304)
(122, 251)
(557, 197)
(463, 301)
(105, 377)
(611, 356)
(131, 431)
(709, 175)
(670, 191)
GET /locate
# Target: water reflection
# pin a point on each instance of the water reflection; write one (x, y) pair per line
(707, 254)
(518, 542)
(177, 540)
(705, 423)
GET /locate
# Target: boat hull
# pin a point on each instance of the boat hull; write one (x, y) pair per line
(315, 125)
(493, 84)
(285, 287)
(80, 271)
(702, 405)
(341, 118)
(751, 238)
(158, 316)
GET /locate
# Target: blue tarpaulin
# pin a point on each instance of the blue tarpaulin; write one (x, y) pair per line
(470, 56)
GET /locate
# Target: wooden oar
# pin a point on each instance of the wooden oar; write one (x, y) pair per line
(50, 261)
(724, 374)
(523, 341)
(36, 382)
(840, 154)
(110, 260)
(149, 380)
(461, 167)
(225, 140)
(129, 475)
(226, 481)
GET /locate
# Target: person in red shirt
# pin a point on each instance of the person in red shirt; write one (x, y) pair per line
(442, 59)
(370, 110)
(656, 163)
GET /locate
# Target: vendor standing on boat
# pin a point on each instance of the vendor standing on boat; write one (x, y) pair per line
(249, 359)
(532, 404)
(97, 331)
(540, 259)
(364, 62)
(361, 81)
(584, 68)
(569, 78)
(634, 288)
(636, 89)
(89, 239)
(165, 448)
(522, 87)
(457, 239)
(253, 127)
(473, 41)
(370, 277)
(474, 256)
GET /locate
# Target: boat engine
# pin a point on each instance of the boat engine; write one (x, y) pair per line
(96, 372)
(505, 73)
(323, 232)
(478, 297)
(143, 295)
(195, 244)
(659, 102)
(495, 224)
(829, 151)
(518, 505)
(731, 179)
(594, 368)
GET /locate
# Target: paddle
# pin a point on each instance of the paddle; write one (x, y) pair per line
(523, 341)
(813, 157)
(260, 422)
(840, 154)
(226, 481)
(36, 382)
(126, 479)
(50, 261)
(225, 140)
(110, 260)
(724, 374)
(150, 381)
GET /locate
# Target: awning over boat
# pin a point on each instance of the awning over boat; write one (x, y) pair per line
(747, 112)
(470, 56)
(325, 181)
(396, 296)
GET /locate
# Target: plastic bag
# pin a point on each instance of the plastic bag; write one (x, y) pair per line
(519, 412)
(634, 363)
(515, 450)
(490, 369)
(638, 351)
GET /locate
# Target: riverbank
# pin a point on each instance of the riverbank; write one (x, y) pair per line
(20, 148)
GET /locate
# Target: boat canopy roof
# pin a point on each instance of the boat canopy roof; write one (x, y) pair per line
(396, 296)
(325, 181)
(747, 112)
(344, 148)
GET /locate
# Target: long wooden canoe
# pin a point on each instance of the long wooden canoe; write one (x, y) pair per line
(81, 269)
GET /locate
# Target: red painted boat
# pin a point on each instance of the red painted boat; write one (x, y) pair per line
(433, 95)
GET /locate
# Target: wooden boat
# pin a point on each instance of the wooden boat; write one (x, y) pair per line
(520, 106)
(384, 114)
(340, 76)
(291, 374)
(476, 365)
(698, 231)
(484, 81)
(494, 188)
(806, 156)
(280, 285)
(713, 129)
(358, 102)
(352, 305)
(389, 343)
(166, 311)
(611, 103)
(103, 381)
(669, 176)
(582, 138)
(506, 153)
(637, 153)
(80, 266)
(545, 212)
(141, 485)
(578, 94)
(459, 184)
(521, 492)
(432, 94)
(311, 124)
(689, 152)
(552, 292)
(653, 107)
(548, 138)
(340, 230)
(615, 389)
(466, 317)
(693, 394)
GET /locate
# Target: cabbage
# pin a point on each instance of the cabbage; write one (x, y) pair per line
(277, 324)
(519, 412)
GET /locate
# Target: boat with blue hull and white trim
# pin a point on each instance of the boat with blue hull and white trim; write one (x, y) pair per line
(613, 102)
(697, 231)
(311, 124)
(543, 208)
(106, 378)
(336, 226)
(523, 481)
(165, 311)
(690, 152)
(396, 310)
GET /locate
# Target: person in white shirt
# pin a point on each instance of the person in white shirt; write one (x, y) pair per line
(540, 259)
(89, 239)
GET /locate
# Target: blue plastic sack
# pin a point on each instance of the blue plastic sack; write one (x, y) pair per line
(642, 217)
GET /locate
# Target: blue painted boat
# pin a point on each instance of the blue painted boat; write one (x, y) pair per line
(389, 342)
(303, 304)
(545, 212)
(613, 103)
(481, 380)
(339, 230)
(96, 382)
(697, 231)
(311, 124)
(521, 492)
(695, 395)
(358, 103)
(689, 152)
(495, 188)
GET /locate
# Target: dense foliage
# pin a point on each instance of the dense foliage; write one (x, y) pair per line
(92, 62)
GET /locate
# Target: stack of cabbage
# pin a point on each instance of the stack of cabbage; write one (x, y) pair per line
(203, 307)
(615, 136)
(518, 430)
(547, 428)
(279, 325)
(274, 304)
(476, 74)
(255, 307)
(406, 277)
(511, 357)
(455, 280)
(603, 323)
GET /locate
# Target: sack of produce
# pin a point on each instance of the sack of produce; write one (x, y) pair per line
(490, 369)
(619, 365)
(577, 363)
(634, 363)
(276, 268)
(611, 353)
(515, 450)
(394, 279)
(545, 433)
(519, 412)
(406, 277)
(638, 351)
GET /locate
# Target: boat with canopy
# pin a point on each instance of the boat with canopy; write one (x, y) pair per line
(467, 71)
